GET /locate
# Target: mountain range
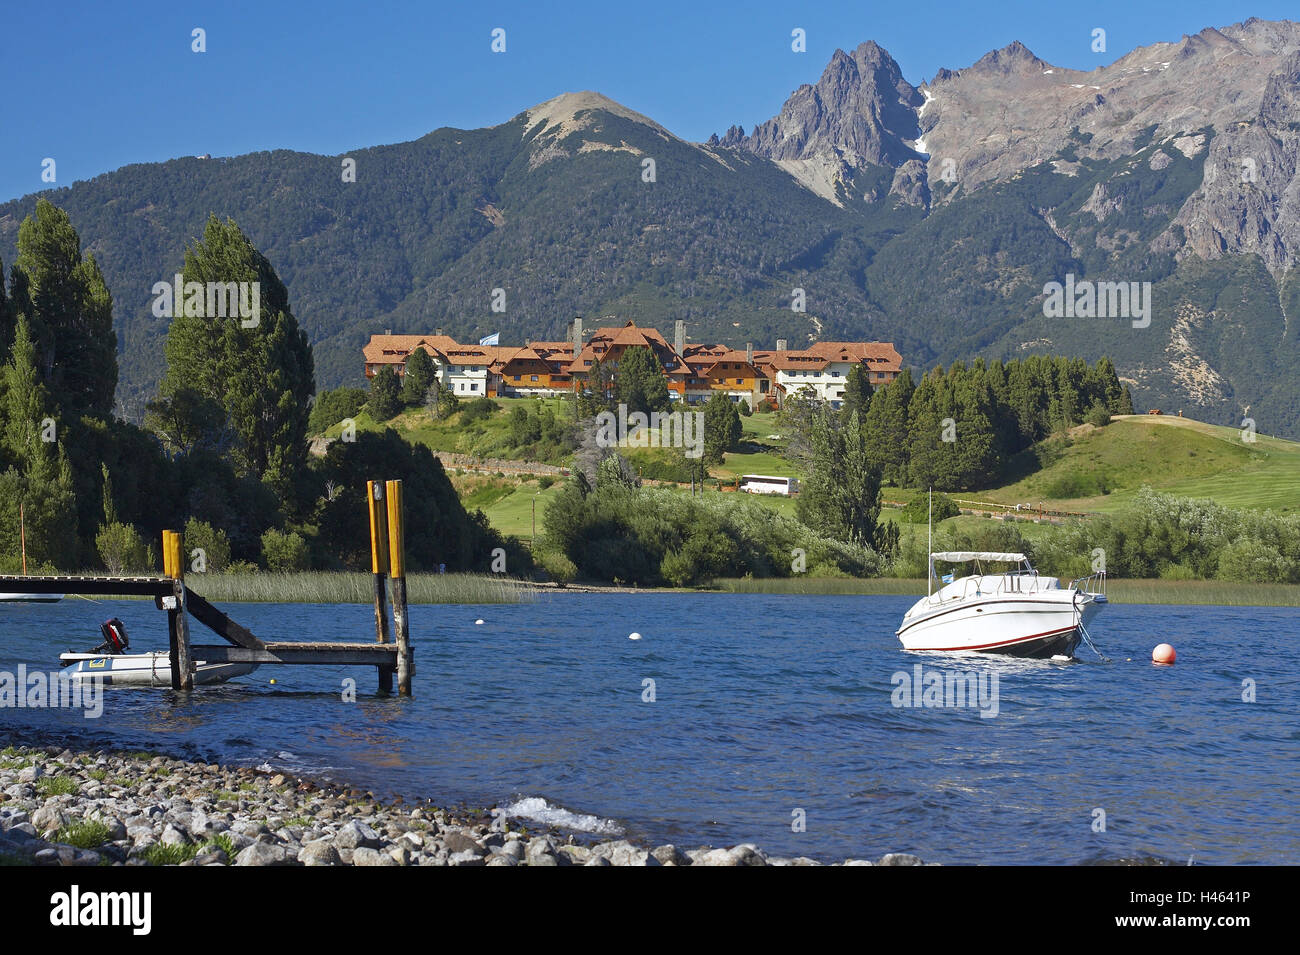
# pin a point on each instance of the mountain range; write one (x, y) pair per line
(931, 216)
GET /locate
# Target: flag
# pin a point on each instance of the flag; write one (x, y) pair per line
(947, 578)
(491, 339)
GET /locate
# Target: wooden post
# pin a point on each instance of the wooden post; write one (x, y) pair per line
(397, 568)
(178, 625)
(379, 568)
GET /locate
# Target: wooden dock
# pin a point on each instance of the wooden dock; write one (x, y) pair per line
(172, 594)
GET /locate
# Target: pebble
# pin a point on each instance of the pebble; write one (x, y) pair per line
(204, 814)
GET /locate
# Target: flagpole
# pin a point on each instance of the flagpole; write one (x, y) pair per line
(22, 534)
(929, 548)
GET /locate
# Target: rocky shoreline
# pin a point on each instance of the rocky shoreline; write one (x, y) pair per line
(96, 807)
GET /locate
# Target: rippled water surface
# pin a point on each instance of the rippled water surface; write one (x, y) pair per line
(763, 706)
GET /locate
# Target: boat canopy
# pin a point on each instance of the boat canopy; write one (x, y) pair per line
(963, 555)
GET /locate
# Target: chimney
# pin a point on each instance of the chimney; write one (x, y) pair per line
(780, 344)
(438, 332)
(749, 352)
(679, 336)
(577, 336)
(388, 331)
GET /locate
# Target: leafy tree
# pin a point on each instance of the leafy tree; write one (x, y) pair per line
(841, 494)
(385, 395)
(438, 529)
(418, 377)
(722, 427)
(639, 383)
(262, 375)
(70, 313)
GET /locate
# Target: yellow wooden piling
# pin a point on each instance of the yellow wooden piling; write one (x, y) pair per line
(397, 569)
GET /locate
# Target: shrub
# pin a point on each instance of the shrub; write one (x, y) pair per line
(917, 510)
(480, 409)
(545, 481)
(331, 407)
(200, 535)
(285, 552)
(122, 549)
(1098, 415)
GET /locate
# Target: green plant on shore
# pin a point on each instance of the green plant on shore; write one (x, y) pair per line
(221, 841)
(99, 775)
(87, 834)
(56, 786)
(159, 854)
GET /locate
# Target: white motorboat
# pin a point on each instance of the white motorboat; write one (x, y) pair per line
(1015, 611)
(30, 598)
(110, 663)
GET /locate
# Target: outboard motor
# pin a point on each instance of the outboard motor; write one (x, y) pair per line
(115, 638)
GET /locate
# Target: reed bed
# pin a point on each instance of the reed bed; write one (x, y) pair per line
(883, 586)
(350, 587)
(1153, 591)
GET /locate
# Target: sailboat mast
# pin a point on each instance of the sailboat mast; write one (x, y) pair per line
(929, 548)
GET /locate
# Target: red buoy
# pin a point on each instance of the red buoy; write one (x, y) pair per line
(1163, 654)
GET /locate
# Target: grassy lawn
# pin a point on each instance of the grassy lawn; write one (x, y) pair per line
(512, 514)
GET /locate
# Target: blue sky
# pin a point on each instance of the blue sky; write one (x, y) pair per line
(96, 86)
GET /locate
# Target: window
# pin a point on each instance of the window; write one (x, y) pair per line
(532, 377)
(473, 386)
(740, 381)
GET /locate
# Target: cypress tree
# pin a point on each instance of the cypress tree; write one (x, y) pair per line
(857, 394)
(418, 378)
(886, 428)
(262, 376)
(639, 383)
(385, 395)
(40, 480)
(70, 312)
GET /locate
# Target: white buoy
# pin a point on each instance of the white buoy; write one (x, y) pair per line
(634, 636)
(478, 622)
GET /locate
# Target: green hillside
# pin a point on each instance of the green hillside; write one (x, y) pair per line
(1102, 469)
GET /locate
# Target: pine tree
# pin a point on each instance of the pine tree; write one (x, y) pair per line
(640, 383)
(40, 481)
(885, 428)
(857, 393)
(6, 320)
(385, 395)
(722, 427)
(418, 378)
(262, 376)
(70, 312)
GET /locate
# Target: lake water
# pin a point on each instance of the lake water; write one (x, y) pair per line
(763, 706)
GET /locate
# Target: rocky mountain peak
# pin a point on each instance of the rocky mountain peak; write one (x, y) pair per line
(1014, 58)
(860, 110)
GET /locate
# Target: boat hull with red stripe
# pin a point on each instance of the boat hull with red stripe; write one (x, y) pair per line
(1014, 615)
